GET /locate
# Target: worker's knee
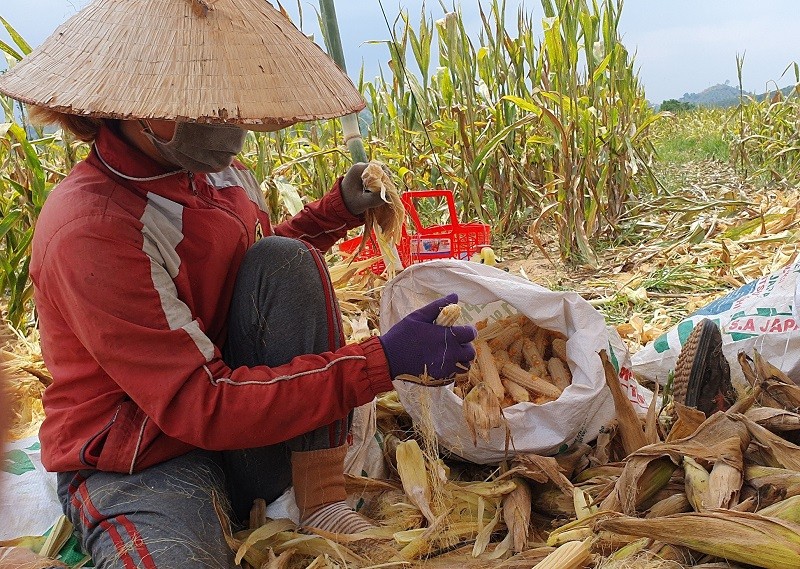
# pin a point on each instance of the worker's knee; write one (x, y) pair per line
(282, 257)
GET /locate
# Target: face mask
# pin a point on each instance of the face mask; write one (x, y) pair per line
(200, 147)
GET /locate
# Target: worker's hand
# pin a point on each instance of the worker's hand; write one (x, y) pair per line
(356, 198)
(416, 345)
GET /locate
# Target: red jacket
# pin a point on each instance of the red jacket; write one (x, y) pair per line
(133, 280)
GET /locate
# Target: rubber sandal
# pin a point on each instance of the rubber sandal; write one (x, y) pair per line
(702, 374)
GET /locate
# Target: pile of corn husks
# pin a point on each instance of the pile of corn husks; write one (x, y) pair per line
(675, 489)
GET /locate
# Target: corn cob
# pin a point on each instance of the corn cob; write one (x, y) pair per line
(449, 315)
(515, 351)
(559, 349)
(541, 339)
(518, 393)
(534, 358)
(489, 331)
(488, 368)
(529, 381)
(529, 328)
(506, 337)
(559, 372)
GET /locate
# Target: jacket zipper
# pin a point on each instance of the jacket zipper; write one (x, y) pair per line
(218, 206)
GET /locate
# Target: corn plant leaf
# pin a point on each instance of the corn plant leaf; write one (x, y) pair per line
(21, 43)
(13, 53)
(9, 221)
(289, 195)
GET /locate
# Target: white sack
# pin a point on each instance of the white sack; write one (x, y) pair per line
(487, 292)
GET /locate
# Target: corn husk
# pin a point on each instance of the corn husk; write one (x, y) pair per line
(571, 555)
(688, 421)
(787, 510)
(776, 384)
(725, 484)
(759, 476)
(517, 514)
(551, 501)
(389, 217)
(576, 459)
(482, 412)
(642, 477)
(414, 476)
(603, 445)
(675, 504)
(651, 430)
(488, 368)
(775, 420)
(735, 536)
(630, 428)
(779, 451)
(696, 479)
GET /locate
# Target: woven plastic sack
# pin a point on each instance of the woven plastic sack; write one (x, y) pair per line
(760, 315)
(583, 409)
(28, 501)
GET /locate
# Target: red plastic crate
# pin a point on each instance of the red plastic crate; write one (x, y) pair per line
(454, 240)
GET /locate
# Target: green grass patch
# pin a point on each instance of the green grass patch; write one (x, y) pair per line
(689, 148)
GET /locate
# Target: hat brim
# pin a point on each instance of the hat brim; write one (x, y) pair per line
(242, 62)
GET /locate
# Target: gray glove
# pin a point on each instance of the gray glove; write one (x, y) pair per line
(357, 200)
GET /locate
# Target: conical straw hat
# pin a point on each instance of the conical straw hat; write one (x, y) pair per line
(236, 61)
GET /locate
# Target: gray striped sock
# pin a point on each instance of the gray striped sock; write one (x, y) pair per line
(338, 517)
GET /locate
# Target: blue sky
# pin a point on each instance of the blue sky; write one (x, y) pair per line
(681, 45)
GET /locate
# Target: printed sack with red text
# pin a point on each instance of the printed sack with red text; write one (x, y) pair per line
(760, 315)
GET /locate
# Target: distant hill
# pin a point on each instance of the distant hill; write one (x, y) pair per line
(723, 95)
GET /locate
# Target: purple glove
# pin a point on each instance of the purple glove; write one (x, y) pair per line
(415, 344)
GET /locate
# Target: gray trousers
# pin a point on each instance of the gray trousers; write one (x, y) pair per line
(163, 517)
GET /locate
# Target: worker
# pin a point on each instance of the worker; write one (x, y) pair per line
(197, 352)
